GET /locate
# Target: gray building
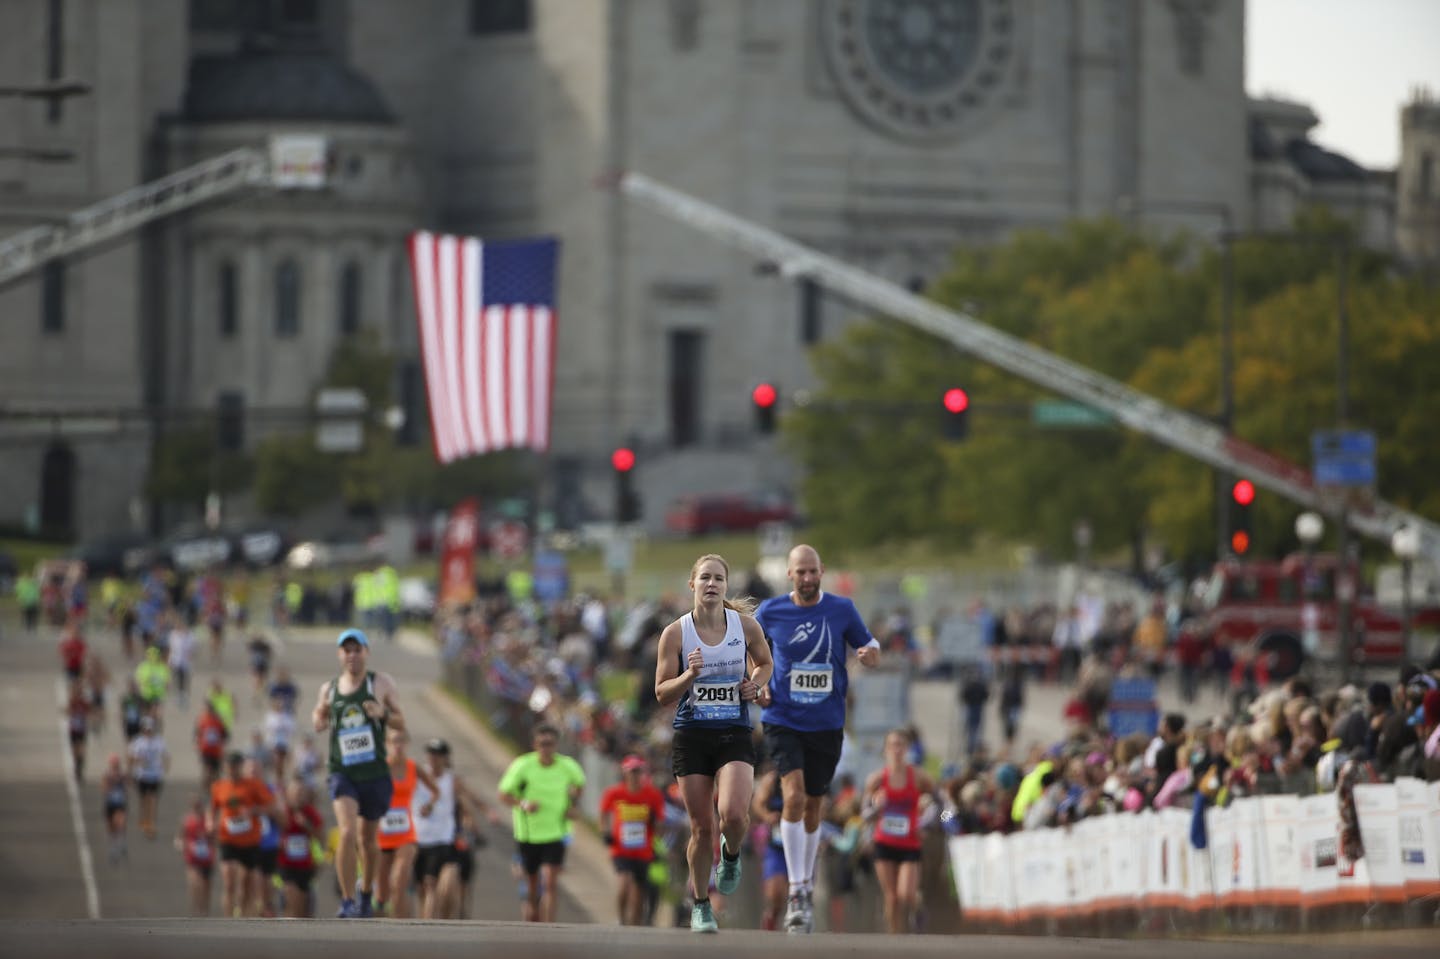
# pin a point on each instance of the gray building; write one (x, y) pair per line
(883, 132)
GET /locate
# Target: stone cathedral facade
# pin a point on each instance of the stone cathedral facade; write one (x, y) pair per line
(885, 132)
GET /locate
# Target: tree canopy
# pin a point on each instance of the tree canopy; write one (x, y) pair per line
(1146, 311)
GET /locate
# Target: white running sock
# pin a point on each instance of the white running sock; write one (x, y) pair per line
(792, 837)
(812, 852)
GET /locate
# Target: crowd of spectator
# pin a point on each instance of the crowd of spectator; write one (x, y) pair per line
(586, 664)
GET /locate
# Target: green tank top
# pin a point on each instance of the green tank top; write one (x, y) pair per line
(357, 742)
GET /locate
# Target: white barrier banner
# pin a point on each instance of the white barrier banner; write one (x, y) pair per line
(1070, 846)
(1024, 876)
(1280, 853)
(1377, 807)
(998, 874)
(1418, 816)
(1164, 871)
(1126, 847)
(1039, 884)
(1266, 851)
(1432, 801)
(1116, 880)
(1220, 830)
(1191, 865)
(965, 866)
(1244, 866)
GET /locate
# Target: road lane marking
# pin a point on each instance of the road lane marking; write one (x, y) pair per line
(67, 766)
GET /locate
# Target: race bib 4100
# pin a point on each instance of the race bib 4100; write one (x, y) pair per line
(811, 682)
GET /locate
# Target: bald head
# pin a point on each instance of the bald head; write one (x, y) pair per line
(804, 569)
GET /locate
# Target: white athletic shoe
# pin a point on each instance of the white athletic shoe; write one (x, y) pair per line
(795, 913)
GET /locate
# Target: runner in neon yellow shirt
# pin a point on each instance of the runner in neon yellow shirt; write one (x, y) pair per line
(543, 788)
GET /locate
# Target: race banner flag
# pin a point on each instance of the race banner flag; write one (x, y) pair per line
(486, 311)
(457, 555)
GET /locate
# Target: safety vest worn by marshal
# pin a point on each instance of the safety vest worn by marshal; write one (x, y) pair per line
(357, 742)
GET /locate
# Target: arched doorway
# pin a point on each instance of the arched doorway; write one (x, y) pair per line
(57, 490)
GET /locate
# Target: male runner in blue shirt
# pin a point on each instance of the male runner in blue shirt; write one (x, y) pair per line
(803, 713)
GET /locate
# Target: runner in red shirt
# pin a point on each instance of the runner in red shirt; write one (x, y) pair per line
(300, 828)
(629, 811)
(894, 798)
(196, 843)
(73, 651)
(77, 723)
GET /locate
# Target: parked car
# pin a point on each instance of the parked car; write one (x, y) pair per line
(726, 512)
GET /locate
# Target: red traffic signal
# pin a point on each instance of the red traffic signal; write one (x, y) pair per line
(764, 395)
(1244, 493)
(957, 400)
(1240, 542)
(623, 459)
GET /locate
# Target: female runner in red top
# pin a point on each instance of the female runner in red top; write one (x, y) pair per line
(895, 796)
(195, 843)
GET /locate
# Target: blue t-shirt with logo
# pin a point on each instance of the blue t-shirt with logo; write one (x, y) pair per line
(808, 644)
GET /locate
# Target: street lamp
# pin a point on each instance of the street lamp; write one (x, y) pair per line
(1405, 541)
(1309, 527)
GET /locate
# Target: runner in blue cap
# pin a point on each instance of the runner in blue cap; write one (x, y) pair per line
(357, 707)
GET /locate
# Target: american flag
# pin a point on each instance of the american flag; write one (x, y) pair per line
(487, 340)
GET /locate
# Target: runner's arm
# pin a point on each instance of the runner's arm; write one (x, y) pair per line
(388, 692)
(758, 649)
(424, 776)
(870, 798)
(670, 682)
(506, 790)
(321, 715)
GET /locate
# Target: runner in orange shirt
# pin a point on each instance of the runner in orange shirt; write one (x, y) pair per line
(397, 828)
(210, 738)
(236, 804)
(629, 811)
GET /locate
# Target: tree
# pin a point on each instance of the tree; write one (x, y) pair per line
(185, 466)
(1145, 312)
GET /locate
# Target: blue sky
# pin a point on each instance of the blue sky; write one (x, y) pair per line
(1353, 61)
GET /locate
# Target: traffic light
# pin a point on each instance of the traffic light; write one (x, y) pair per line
(627, 502)
(1242, 495)
(957, 414)
(765, 397)
(230, 421)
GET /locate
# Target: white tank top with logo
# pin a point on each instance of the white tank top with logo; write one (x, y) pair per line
(714, 698)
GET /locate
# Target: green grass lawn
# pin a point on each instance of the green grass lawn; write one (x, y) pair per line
(28, 552)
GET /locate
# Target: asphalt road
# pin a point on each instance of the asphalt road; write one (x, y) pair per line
(55, 877)
(245, 939)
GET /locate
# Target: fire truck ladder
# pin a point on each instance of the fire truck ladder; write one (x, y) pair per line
(1172, 427)
(132, 209)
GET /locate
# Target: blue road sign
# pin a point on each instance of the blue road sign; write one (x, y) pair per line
(1343, 457)
(1133, 708)
(552, 576)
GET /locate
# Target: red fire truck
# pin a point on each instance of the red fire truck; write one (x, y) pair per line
(1290, 612)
